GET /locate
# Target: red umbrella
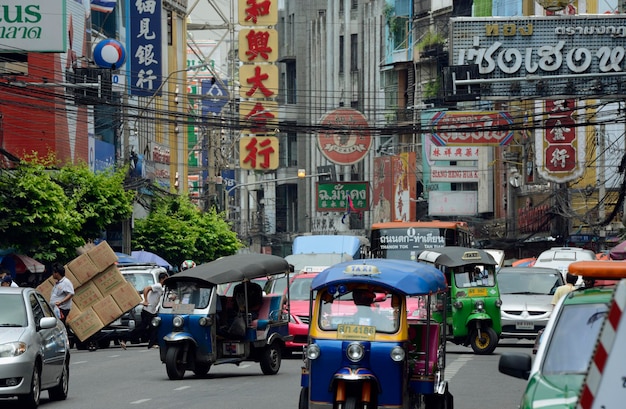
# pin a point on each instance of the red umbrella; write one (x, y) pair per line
(22, 263)
(524, 262)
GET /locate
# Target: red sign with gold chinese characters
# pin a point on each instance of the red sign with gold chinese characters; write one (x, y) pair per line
(560, 151)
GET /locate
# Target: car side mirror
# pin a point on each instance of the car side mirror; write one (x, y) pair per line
(515, 364)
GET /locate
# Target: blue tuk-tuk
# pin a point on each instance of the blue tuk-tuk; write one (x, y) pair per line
(198, 326)
(363, 351)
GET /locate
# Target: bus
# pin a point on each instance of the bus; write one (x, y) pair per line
(405, 240)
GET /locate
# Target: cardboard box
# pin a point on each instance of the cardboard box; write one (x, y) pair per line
(83, 268)
(86, 324)
(102, 256)
(109, 280)
(86, 295)
(74, 312)
(45, 288)
(107, 310)
(70, 276)
(126, 297)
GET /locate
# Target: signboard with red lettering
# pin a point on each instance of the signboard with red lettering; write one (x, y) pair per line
(453, 174)
(471, 128)
(345, 138)
(560, 151)
(258, 12)
(453, 153)
(258, 152)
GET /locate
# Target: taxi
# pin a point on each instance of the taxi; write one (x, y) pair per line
(556, 377)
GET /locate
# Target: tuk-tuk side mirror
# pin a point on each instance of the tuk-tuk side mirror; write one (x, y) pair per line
(515, 364)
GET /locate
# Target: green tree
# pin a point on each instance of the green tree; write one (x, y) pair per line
(177, 230)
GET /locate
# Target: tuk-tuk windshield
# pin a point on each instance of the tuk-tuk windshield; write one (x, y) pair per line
(369, 306)
(475, 276)
(186, 293)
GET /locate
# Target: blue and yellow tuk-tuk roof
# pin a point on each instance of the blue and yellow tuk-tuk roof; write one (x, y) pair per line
(403, 276)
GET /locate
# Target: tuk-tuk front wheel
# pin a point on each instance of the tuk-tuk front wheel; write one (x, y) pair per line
(174, 362)
(303, 403)
(483, 342)
(271, 359)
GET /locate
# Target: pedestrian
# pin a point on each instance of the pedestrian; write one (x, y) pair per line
(151, 297)
(6, 281)
(62, 292)
(568, 287)
(4, 273)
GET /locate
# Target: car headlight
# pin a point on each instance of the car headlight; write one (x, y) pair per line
(458, 305)
(12, 349)
(355, 352)
(480, 305)
(156, 321)
(205, 321)
(313, 351)
(498, 303)
(397, 354)
(178, 322)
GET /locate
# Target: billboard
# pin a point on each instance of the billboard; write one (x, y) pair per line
(543, 57)
(33, 25)
(471, 128)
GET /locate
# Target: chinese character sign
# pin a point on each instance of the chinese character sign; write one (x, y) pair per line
(560, 151)
(258, 153)
(258, 81)
(258, 45)
(144, 45)
(259, 117)
(258, 12)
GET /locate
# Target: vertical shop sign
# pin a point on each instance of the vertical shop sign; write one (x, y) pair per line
(144, 25)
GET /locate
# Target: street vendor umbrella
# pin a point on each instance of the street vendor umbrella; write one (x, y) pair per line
(148, 257)
(524, 262)
(123, 258)
(21, 263)
(618, 252)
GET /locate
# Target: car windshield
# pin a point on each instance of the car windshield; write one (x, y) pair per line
(12, 311)
(139, 280)
(567, 354)
(300, 288)
(475, 276)
(374, 307)
(186, 293)
(529, 282)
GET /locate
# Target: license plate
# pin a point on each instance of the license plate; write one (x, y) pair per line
(524, 325)
(356, 332)
(477, 292)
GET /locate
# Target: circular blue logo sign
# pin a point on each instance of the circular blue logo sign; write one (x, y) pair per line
(109, 53)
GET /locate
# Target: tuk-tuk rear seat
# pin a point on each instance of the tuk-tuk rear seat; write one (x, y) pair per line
(425, 340)
(269, 311)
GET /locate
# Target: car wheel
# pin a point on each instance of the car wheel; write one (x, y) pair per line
(303, 402)
(59, 392)
(174, 362)
(201, 369)
(350, 402)
(104, 344)
(271, 359)
(484, 344)
(31, 400)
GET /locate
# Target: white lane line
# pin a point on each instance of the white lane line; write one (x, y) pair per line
(245, 366)
(140, 401)
(79, 362)
(182, 388)
(457, 364)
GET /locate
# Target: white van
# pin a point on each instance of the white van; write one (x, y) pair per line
(561, 257)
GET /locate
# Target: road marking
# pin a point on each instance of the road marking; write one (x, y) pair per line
(457, 364)
(79, 362)
(245, 366)
(182, 387)
(140, 401)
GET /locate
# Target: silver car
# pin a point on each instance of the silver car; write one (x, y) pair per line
(526, 294)
(34, 348)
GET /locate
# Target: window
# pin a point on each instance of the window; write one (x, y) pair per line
(341, 51)
(290, 69)
(354, 56)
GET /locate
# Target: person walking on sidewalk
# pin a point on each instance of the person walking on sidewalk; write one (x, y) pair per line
(151, 297)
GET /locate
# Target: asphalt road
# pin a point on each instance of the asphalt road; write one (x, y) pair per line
(136, 379)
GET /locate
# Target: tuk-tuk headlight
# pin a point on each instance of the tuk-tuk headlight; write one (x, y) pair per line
(480, 305)
(178, 321)
(498, 303)
(205, 321)
(397, 354)
(355, 352)
(313, 351)
(156, 321)
(458, 305)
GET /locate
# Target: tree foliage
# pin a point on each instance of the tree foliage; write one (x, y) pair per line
(47, 212)
(177, 230)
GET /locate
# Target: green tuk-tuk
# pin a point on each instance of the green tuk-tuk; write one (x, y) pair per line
(473, 306)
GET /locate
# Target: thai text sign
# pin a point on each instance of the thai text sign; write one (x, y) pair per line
(333, 197)
(33, 25)
(471, 128)
(533, 49)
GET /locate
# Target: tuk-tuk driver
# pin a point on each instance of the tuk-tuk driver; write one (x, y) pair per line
(365, 297)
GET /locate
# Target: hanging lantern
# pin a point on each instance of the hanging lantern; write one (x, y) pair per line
(554, 5)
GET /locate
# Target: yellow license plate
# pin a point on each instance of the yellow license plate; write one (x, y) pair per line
(357, 332)
(477, 292)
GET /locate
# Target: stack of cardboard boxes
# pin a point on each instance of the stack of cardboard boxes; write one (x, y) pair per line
(101, 294)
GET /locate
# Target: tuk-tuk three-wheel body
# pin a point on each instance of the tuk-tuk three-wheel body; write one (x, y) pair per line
(473, 304)
(198, 327)
(362, 350)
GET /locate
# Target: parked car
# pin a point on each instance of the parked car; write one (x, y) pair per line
(34, 348)
(299, 302)
(561, 257)
(526, 294)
